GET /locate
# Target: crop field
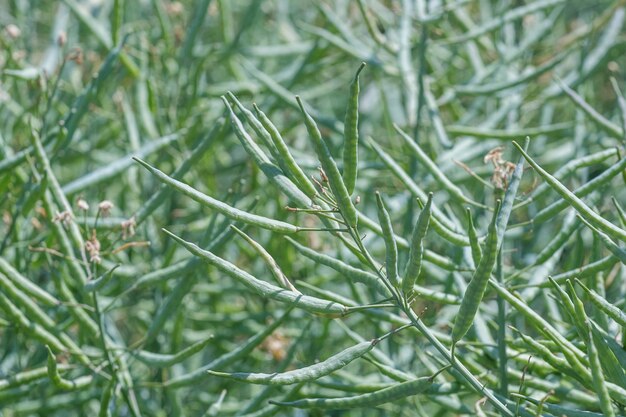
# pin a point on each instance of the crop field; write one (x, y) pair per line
(313, 208)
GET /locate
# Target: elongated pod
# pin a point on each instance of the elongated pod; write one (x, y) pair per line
(391, 249)
(416, 252)
(372, 399)
(309, 373)
(476, 288)
(337, 186)
(351, 134)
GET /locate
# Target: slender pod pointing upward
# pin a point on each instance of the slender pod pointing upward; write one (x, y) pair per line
(351, 134)
(597, 375)
(290, 163)
(337, 186)
(256, 125)
(478, 284)
(273, 172)
(391, 249)
(477, 251)
(610, 309)
(583, 209)
(416, 253)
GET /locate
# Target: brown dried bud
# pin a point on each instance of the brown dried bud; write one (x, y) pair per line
(65, 217)
(128, 228)
(82, 204)
(105, 207)
(61, 39)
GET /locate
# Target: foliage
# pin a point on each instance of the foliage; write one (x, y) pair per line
(214, 208)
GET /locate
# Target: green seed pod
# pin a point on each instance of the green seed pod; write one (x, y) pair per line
(279, 275)
(430, 256)
(595, 184)
(597, 375)
(353, 274)
(416, 252)
(478, 284)
(26, 285)
(477, 251)
(97, 283)
(62, 383)
(165, 360)
(309, 373)
(371, 399)
(351, 134)
(337, 186)
(31, 328)
(580, 206)
(618, 252)
(391, 249)
(105, 399)
(25, 377)
(600, 302)
(273, 173)
(290, 163)
(265, 289)
(223, 208)
(256, 125)
(241, 351)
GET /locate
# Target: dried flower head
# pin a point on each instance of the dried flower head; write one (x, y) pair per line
(64, 216)
(502, 169)
(494, 156)
(128, 228)
(323, 175)
(105, 207)
(92, 246)
(12, 31)
(82, 204)
(61, 39)
(76, 55)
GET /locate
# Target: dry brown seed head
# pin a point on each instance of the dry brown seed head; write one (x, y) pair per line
(495, 156)
(276, 344)
(76, 55)
(61, 39)
(82, 204)
(128, 228)
(105, 207)
(64, 216)
(323, 175)
(92, 246)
